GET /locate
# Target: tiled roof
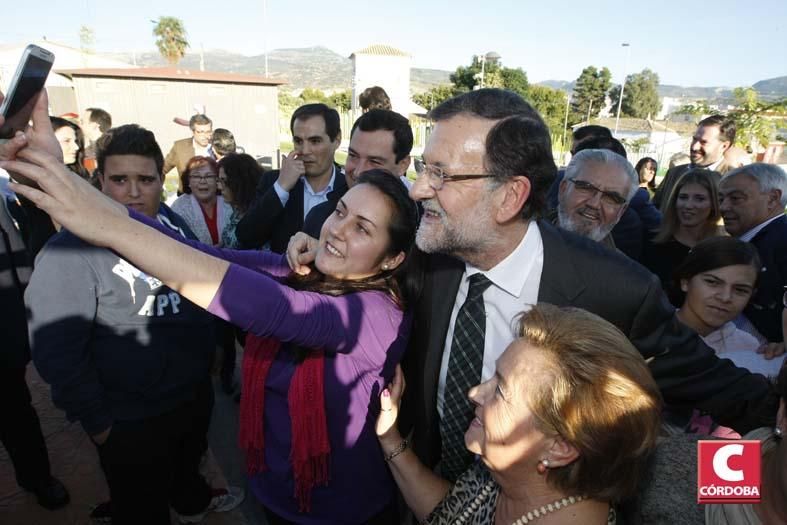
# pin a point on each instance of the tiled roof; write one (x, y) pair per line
(167, 73)
(381, 50)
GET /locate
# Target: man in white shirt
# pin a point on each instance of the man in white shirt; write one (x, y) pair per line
(752, 205)
(380, 139)
(714, 136)
(308, 177)
(483, 186)
(487, 168)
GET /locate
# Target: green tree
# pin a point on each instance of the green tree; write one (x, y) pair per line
(756, 120)
(341, 100)
(313, 95)
(640, 96)
(434, 97)
(287, 102)
(515, 80)
(467, 78)
(87, 37)
(170, 38)
(590, 91)
(551, 104)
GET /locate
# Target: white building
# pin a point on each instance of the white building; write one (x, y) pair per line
(387, 67)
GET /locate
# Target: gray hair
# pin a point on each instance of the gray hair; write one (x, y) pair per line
(768, 176)
(603, 156)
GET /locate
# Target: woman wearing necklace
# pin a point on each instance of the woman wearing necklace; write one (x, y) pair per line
(563, 430)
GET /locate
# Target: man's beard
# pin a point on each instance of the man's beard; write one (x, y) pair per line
(470, 235)
(568, 222)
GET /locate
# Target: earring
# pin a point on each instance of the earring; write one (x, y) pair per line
(778, 432)
(542, 466)
(385, 267)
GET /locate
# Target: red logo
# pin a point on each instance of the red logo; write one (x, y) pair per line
(728, 471)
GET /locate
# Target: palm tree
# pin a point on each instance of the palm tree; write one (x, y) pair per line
(170, 38)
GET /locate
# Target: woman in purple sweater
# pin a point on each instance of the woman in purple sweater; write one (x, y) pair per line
(325, 343)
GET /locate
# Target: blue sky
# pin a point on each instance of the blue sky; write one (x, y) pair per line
(703, 43)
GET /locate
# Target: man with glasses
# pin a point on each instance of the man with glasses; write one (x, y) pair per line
(594, 194)
(486, 170)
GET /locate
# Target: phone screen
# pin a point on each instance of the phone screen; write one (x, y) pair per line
(23, 98)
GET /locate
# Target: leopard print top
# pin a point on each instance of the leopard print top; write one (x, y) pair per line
(464, 491)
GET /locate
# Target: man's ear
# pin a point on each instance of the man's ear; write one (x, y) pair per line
(684, 285)
(403, 165)
(775, 199)
(515, 196)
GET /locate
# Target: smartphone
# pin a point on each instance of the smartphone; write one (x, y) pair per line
(26, 83)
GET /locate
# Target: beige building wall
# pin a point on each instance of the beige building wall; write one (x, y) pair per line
(249, 111)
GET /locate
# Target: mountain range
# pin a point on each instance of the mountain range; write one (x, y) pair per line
(319, 67)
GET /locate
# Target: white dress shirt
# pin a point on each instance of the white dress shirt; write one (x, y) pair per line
(740, 347)
(514, 289)
(200, 151)
(311, 198)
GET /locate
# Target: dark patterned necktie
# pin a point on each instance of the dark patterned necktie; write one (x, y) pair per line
(464, 372)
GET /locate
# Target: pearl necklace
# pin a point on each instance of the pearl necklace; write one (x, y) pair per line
(528, 517)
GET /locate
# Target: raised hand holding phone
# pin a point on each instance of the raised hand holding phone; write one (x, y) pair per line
(27, 82)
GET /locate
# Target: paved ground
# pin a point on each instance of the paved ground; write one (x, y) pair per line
(75, 462)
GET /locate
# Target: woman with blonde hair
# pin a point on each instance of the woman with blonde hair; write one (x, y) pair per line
(563, 429)
(691, 214)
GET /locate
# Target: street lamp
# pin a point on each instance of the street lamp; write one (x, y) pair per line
(623, 85)
(492, 57)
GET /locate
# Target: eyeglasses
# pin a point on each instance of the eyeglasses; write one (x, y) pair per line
(221, 181)
(202, 178)
(610, 198)
(436, 177)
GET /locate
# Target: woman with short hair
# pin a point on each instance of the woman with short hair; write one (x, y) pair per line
(203, 209)
(563, 429)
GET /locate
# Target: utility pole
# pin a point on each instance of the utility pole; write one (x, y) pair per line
(265, 33)
(623, 85)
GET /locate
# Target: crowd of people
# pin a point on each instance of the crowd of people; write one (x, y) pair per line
(494, 340)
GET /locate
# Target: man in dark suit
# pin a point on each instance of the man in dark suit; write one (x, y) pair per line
(714, 136)
(183, 150)
(488, 168)
(308, 176)
(752, 204)
(379, 139)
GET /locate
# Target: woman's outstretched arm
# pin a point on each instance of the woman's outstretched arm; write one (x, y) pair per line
(99, 220)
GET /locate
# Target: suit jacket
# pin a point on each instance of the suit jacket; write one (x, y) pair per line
(579, 272)
(765, 307)
(637, 226)
(661, 196)
(181, 153)
(267, 221)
